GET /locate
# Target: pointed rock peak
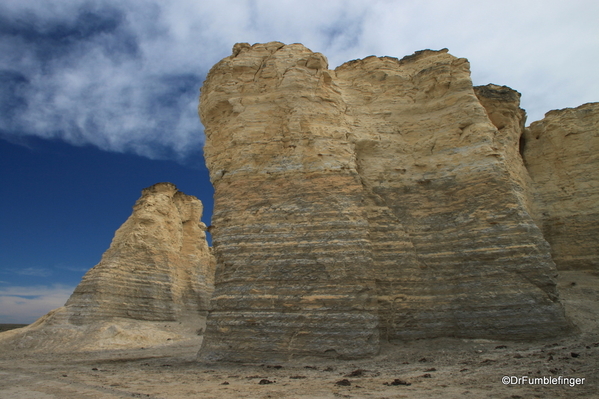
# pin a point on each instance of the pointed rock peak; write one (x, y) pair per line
(153, 283)
(165, 187)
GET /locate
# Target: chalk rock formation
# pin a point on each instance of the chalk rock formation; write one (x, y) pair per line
(290, 231)
(502, 105)
(158, 267)
(153, 283)
(561, 153)
(378, 199)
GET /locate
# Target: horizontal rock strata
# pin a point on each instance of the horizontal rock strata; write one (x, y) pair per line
(152, 285)
(290, 229)
(158, 266)
(561, 153)
(381, 199)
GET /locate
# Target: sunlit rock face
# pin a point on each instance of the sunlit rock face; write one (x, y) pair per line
(291, 233)
(381, 200)
(158, 267)
(561, 153)
(151, 288)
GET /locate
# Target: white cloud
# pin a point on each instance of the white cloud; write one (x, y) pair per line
(124, 75)
(24, 305)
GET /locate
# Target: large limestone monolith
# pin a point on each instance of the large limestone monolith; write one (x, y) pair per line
(378, 200)
(295, 270)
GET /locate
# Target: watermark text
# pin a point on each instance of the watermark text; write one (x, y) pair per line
(515, 380)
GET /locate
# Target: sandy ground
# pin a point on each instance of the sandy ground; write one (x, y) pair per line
(440, 368)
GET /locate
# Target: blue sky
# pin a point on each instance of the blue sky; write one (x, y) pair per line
(98, 99)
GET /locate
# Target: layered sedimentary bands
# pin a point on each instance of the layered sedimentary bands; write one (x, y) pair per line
(386, 199)
(158, 266)
(152, 284)
(561, 153)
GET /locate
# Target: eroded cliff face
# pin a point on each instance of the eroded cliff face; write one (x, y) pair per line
(152, 286)
(382, 199)
(158, 266)
(290, 227)
(502, 105)
(560, 152)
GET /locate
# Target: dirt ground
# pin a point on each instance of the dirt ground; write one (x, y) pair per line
(440, 368)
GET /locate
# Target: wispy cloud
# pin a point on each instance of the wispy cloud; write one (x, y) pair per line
(93, 74)
(28, 271)
(124, 75)
(27, 304)
(73, 269)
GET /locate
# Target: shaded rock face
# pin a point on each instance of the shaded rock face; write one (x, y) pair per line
(382, 200)
(152, 286)
(560, 152)
(158, 266)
